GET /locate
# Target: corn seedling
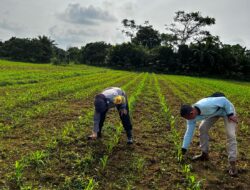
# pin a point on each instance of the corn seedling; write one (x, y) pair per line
(193, 184)
(37, 158)
(110, 145)
(244, 127)
(175, 136)
(85, 163)
(91, 184)
(104, 161)
(53, 142)
(129, 186)
(74, 183)
(18, 175)
(139, 164)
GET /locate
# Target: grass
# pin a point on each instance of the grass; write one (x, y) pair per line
(46, 112)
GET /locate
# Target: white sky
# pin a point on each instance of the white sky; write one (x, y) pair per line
(77, 22)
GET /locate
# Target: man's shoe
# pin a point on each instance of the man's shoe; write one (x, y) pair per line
(202, 157)
(130, 140)
(129, 136)
(99, 135)
(232, 169)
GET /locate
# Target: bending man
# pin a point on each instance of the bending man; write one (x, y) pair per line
(209, 110)
(111, 97)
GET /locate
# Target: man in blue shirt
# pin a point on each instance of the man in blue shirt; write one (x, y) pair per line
(209, 110)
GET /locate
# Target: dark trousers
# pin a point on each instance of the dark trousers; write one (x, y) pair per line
(126, 123)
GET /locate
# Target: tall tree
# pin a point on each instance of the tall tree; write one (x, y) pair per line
(169, 40)
(46, 46)
(73, 54)
(94, 53)
(188, 26)
(147, 36)
(205, 56)
(143, 35)
(130, 28)
(59, 56)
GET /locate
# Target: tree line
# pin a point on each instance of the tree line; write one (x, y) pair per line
(185, 49)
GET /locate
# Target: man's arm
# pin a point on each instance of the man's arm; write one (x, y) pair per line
(226, 105)
(229, 109)
(188, 134)
(97, 117)
(124, 105)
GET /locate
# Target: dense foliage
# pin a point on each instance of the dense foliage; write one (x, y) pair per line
(184, 49)
(37, 50)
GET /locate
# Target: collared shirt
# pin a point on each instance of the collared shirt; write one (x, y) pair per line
(109, 94)
(209, 107)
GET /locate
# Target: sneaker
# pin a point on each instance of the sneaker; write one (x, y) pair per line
(130, 140)
(99, 135)
(233, 170)
(201, 157)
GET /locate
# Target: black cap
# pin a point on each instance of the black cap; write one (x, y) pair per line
(100, 103)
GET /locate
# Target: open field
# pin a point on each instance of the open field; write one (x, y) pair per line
(46, 114)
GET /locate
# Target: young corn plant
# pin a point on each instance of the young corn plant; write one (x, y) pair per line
(117, 130)
(129, 186)
(91, 184)
(244, 127)
(84, 163)
(78, 182)
(139, 164)
(175, 136)
(18, 175)
(37, 159)
(176, 139)
(193, 184)
(67, 131)
(52, 144)
(133, 98)
(104, 161)
(112, 143)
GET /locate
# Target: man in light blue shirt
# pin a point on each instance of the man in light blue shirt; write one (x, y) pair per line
(209, 110)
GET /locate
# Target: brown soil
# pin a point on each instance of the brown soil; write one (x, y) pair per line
(215, 171)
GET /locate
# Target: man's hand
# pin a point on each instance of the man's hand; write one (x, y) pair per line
(183, 151)
(93, 136)
(123, 111)
(233, 118)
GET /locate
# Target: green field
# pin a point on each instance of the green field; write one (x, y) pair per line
(46, 113)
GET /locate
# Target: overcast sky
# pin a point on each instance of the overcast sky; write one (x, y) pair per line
(77, 22)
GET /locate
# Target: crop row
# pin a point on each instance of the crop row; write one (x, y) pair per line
(179, 91)
(190, 90)
(66, 133)
(85, 95)
(191, 181)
